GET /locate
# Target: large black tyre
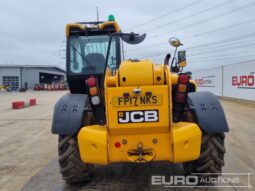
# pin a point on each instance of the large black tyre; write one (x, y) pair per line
(211, 159)
(72, 168)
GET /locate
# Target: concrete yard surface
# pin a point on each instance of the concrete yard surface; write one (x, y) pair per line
(26, 143)
(28, 151)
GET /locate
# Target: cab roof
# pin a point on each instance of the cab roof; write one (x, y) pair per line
(92, 27)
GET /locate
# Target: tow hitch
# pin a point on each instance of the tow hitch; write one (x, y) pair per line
(140, 154)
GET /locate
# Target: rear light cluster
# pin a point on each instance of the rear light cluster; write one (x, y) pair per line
(93, 90)
(180, 96)
(182, 88)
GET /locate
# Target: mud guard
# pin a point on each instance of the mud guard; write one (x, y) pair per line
(209, 112)
(68, 114)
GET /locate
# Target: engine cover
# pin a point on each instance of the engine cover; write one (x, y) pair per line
(140, 73)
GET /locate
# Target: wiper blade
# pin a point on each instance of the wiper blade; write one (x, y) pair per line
(83, 58)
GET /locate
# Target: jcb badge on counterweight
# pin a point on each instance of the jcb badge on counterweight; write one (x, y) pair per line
(138, 116)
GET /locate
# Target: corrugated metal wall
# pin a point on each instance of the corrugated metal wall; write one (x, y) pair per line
(30, 76)
(235, 81)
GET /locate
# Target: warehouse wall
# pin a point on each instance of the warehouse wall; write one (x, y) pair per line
(9, 72)
(235, 81)
(31, 76)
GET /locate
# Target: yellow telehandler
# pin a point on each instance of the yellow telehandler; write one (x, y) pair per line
(132, 110)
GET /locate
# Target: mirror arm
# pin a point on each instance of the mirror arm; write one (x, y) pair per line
(174, 58)
(107, 56)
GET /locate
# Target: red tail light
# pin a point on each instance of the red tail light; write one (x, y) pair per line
(184, 78)
(93, 90)
(91, 81)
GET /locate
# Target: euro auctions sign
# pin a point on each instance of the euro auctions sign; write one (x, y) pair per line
(239, 80)
(206, 81)
(234, 81)
(196, 180)
(244, 81)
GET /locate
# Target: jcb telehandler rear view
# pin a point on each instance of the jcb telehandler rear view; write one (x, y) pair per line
(132, 110)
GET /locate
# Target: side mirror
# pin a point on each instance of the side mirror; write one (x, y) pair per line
(132, 38)
(182, 58)
(175, 42)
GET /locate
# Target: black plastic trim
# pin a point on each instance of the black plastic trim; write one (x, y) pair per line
(68, 114)
(209, 112)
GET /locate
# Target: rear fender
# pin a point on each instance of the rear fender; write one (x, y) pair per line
(68, 114)
(209, 112)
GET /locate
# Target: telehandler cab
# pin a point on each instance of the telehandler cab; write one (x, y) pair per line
(132, 110)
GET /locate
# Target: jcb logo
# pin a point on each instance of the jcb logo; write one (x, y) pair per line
(138, 116)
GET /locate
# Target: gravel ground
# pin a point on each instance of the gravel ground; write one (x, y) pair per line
(28, 151)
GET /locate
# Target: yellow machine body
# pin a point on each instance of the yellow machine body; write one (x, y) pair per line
(82, 27)
(118, 106)
(181, 144)
(139, 128)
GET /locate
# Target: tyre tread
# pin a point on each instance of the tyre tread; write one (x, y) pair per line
(211, 158)
(72, 168)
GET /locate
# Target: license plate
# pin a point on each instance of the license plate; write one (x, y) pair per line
(137, 101)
